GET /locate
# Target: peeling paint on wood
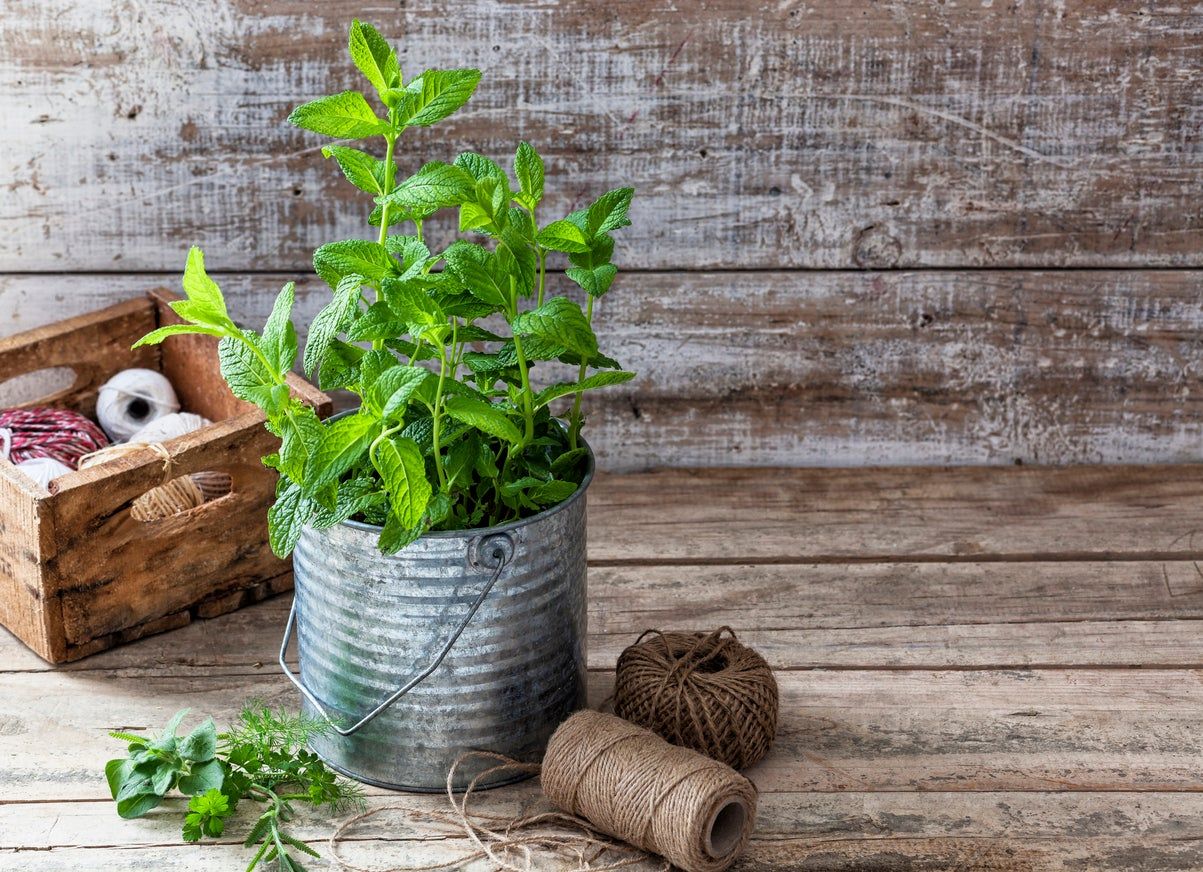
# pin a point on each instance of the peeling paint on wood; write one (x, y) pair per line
(844, 368)
(851, 134)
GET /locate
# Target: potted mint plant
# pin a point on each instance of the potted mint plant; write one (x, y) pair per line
(439, 528)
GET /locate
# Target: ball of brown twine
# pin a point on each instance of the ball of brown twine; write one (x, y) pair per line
(178, 495)
(704, 691)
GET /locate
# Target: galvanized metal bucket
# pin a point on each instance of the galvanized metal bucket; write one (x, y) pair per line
(468, 640)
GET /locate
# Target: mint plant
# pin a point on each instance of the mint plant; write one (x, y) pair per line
(439, 346)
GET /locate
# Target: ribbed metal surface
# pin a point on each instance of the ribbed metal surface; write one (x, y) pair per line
(366, 623)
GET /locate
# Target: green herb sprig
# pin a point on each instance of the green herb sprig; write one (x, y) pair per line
(439, 346)
(261, 759)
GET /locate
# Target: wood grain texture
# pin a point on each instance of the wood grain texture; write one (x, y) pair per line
(845, 134)
(1023, 709)
(843, 369)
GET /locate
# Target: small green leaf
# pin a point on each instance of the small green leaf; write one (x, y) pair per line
(597, 380)
(473, 266)
(559, 320)
(594, 282)
(480, 167)
(344, 116)
(435, 186)
(334, 261)
(374, 57)
(204, 776)
(345, 442)
(435, 94)
(249, 379)
(154, 337)
(410, 302)
(202, 291)
(137, 805)
(117, 772)
(392, 391)
(331, 320)
(287, 516)
(279, 339)
(549, 493)
(528, 166)
(201, 744)
(484, 417)
(399, 462)
(563, 235)
(609, 211)
(361, 169)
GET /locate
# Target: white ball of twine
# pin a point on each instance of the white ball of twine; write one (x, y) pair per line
(43, 470)
(169, 427)
(132, 399)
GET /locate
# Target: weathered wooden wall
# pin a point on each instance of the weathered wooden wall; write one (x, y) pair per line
(866, 232)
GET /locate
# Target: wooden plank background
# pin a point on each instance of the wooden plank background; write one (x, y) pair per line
(865, 232)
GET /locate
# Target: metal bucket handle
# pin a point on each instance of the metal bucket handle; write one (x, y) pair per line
(484, 552)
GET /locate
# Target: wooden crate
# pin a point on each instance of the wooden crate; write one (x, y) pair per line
(77, 573)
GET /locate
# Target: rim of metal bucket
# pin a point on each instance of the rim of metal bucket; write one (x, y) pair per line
(497, 559)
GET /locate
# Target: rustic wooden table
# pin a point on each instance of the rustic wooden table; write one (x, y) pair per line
(980, 669)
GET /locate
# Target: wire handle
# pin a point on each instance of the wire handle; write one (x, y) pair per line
(489, 552)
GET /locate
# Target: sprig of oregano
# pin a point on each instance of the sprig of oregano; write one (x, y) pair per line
(439, 346)
(261, 759)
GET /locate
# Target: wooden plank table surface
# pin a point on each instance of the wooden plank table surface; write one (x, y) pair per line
(980, 669)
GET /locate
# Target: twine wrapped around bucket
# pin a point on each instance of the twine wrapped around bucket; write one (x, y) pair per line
(704, 691)
(613, 781)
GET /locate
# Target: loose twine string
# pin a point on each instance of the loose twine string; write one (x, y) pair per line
(623, 794)
(704, 691)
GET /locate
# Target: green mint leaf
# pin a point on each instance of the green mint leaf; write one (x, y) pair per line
(473, 266)
(569, 461)
(202, 291)
(563, 235)
(596, 281)
(154, 337)
(435, 94)
(411, 252)
(360, 169)
(609, 211)
(559, 320)
(374, 57)
(201, 744)
(403, 471)
(344, 444)
(410, 302)
(549, 493)
(528, 166)
(334, 261)
(344, 116)
(480, 167)
(245, 373)
(331, 320)
(392, 391)
(300, 434)
(287, 516)
(601, 251)
(279, 338)
(376, 324)
(204, 776)
(484, 417)
(597, 380)
(434, 186)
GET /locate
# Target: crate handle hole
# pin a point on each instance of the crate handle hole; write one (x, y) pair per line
(39, 387)
(181, 495)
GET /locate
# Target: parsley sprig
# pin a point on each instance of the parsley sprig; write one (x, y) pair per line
(261, 759)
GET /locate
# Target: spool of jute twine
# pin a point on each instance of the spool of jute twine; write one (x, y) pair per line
(623, 793)
(177, 495)
(704, 691)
